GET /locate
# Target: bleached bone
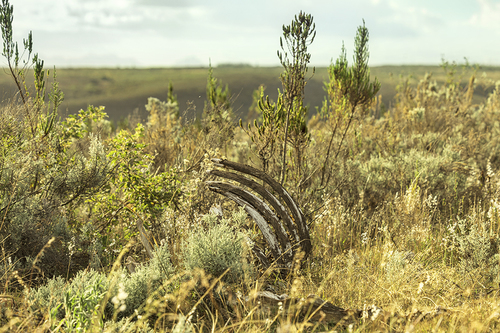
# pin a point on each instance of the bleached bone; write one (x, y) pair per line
(288, 215)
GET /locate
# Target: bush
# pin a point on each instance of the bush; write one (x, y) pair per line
(77, 303)
(218, 248)
(126, 325)
(144, 283)
(476, 248)
(42, 180)
(48, 296)
(74, 305)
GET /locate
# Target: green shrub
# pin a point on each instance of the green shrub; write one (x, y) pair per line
(145, 283)
(42, 182)
(75, 304)
(475, 245)
(128, 326)
(48, 296)
(218, 248)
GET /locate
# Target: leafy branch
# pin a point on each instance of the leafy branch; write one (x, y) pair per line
(294, 58)
(11, 53)
(349, 89)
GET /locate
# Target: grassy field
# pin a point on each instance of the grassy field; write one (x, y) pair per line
(404, 219)
(122, 91)
(108, 229)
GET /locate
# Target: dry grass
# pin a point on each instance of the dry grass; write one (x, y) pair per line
(409, 223)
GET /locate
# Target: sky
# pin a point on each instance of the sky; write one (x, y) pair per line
(167, 33)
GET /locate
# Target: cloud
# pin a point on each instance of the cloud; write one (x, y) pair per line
(384, 19)
(165, 3)
(488, 16)
(127, 16)
(107, 13)
(169, 32)
(407, 19)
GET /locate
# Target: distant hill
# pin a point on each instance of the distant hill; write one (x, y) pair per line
(122, 91)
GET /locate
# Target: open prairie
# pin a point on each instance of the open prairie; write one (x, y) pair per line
(122, 91)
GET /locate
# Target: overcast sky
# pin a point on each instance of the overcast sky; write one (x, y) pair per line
(147, 33)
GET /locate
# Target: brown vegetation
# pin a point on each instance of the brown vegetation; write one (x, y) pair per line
(388, 215)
